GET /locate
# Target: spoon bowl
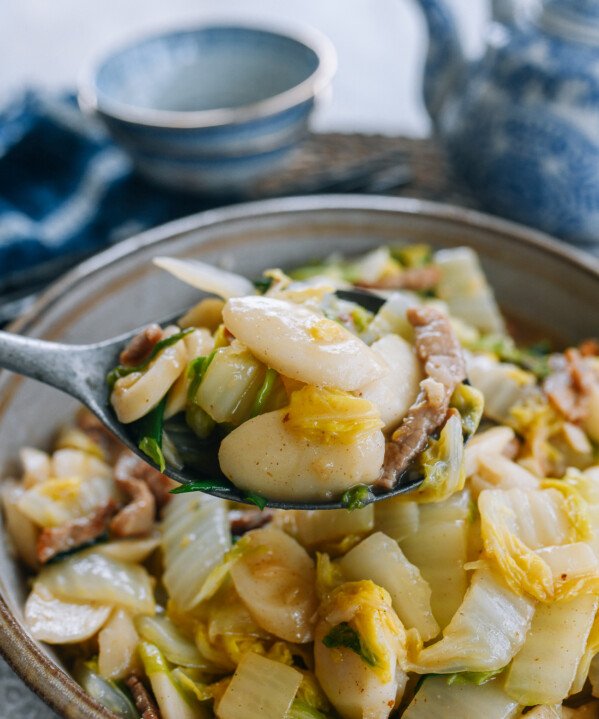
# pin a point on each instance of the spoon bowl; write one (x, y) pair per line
(81, 371)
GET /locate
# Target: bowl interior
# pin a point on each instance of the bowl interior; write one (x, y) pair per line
(209, 68)
(544, 286)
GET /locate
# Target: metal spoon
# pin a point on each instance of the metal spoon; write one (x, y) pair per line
(81, 370)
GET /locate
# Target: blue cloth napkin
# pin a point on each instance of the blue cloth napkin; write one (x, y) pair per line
(66, 190)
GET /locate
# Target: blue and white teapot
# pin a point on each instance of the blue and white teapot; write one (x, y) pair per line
(521, 125)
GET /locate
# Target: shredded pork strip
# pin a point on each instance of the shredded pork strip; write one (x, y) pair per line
(589, 348)
(417, 279)
(130, 466)
(55, 540)
(437, 346)
(569, 385)
(141, 697)
(242, 521)
(135, 519)
(441, 354)
(141, 345)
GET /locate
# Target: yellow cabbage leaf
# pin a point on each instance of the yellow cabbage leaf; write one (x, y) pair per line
(587, 483)
(575, 570)
(539, 424)
(522, 568)
(516, 523)
(442, 464)
(218, 574)
(576, 508)
(365, 608)
(201, 691)
(330, 416)
(328, 575)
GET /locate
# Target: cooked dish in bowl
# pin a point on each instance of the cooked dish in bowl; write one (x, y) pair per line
(476, 593)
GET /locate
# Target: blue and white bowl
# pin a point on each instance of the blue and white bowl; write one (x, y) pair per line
(213, 108)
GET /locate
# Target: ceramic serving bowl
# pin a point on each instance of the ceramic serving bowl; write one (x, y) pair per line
(213, 108)
(544, 285)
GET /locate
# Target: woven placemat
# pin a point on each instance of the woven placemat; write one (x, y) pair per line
(326, 160)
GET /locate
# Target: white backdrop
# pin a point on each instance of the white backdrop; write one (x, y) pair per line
(380, 43)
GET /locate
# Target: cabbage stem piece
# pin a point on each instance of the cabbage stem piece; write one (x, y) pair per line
(436, 698)
(208, 278)
(392, 318)
(464, 287)
(491, 442)
(260, 689)
(37, 466)
(89, 576)
(22, 532)
(456, 507)
(172, 702)
(70, 462)
(317, 527)
(161, 632)
(207, 314)
(543, 670)
(117, 646)
(57, 621)
(439, 549)
(104, 691)
(396, 517)
(498, 472)
(380, 559)
(587, 668)
(503, 386)
(129, 550)
(58, 501)
(229, 386)
(485, 633)
(195, 538)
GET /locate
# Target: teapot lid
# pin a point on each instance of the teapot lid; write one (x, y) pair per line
(574, 19)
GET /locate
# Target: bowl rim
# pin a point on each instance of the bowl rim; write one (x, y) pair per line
(21, 652)
(92, 101)
(513, 232)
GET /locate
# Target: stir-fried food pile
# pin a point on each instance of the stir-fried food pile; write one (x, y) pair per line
(475, 595)
(348, 399)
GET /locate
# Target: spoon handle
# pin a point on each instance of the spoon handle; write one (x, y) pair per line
(66, 367)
